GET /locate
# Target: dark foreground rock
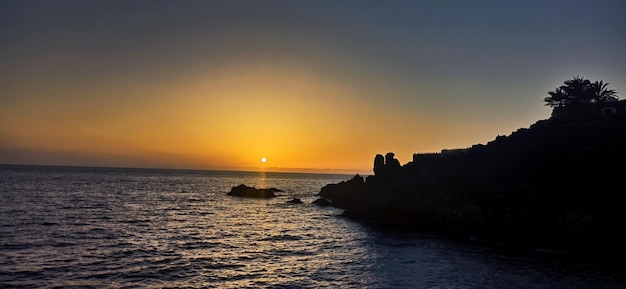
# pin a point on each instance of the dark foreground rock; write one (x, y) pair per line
(252, 192)
(295, 201)
(322, 202)
(554, 185)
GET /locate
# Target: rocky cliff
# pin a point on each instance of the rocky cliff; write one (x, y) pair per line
(557, 184)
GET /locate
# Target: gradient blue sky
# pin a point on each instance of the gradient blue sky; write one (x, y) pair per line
(307, 84)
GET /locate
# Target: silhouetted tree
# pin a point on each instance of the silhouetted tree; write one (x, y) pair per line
(557, 98)
(600, 93)
(579, 89)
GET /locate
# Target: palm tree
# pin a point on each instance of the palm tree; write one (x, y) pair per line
(577, 89)
(580, 90)
(600, 93)
(557, 98)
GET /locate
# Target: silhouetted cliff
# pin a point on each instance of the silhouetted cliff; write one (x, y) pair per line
(558, 184)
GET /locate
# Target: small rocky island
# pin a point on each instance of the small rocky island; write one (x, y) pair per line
(252, 192)
(555, 185)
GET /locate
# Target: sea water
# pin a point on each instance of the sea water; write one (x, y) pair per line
(70, 227)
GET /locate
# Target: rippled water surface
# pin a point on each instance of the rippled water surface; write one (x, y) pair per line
(132, 228)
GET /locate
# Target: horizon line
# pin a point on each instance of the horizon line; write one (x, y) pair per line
(244, 170)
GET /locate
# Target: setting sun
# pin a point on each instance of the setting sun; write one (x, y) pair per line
(263, 160)
(282, 83)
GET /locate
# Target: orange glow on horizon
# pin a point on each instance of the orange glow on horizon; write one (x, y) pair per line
(300, 119)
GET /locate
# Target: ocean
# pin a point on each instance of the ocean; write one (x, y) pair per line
(73, 227)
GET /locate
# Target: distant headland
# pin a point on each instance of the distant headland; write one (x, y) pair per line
(557, 184)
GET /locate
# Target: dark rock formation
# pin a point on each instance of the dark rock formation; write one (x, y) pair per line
(251, 192)
(322, 202)
(555, 185)
(295, 201)
(379, 164)
(336, 192)
(386, 166)
(392, 163)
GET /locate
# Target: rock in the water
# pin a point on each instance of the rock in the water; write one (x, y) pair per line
(252, 192)
(295, 201)
(346, 193)
(322, 202)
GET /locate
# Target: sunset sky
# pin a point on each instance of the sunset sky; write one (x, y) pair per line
(315, 85)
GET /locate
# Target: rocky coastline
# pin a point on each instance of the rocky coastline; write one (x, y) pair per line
(557, 185)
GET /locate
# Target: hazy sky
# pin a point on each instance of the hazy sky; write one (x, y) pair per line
(306, 84)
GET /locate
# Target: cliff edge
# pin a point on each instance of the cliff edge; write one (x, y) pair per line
(557, 184)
